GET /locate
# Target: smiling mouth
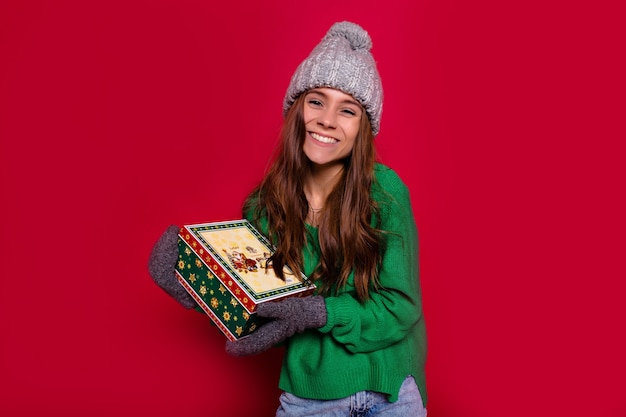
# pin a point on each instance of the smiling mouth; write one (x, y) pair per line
(323, 139)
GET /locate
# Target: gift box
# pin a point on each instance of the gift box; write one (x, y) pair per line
(224, 266)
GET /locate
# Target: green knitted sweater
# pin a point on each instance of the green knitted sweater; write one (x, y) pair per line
(372, 346)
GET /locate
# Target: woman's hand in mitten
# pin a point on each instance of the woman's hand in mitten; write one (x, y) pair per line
(289, 316)
(162, 266)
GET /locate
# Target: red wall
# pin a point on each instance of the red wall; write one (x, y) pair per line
(117, 118)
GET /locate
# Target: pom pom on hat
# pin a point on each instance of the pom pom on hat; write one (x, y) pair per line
(342, 60)
(358, 38)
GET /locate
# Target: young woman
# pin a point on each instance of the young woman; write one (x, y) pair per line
(358, 346)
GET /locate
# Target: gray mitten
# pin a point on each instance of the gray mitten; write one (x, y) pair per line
(289, 316)
(162, 266)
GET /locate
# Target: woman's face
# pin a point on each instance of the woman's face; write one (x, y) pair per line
(332, 120)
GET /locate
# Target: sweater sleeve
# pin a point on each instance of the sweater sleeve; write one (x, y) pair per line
(395, 308)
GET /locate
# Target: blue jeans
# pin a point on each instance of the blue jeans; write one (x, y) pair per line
(361, 404)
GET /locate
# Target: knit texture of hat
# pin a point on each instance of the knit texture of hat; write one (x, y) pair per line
(342, 60)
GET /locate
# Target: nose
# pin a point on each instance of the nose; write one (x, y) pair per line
(327, 119)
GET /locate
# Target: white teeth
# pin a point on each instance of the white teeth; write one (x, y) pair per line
(323, 139)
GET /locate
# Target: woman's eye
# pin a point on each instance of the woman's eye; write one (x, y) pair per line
(349, 112)
(315, 102)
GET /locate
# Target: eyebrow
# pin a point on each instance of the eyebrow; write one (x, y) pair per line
(321, 93)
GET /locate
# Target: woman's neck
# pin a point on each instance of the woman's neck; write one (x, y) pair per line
(319, 183)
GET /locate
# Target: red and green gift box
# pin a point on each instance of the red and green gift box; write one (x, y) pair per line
(224, 266)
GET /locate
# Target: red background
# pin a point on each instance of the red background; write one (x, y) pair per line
(506, 120)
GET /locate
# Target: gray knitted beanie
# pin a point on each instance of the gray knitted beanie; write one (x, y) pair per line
(342, 60)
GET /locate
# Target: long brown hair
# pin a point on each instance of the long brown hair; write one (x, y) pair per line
(348, 241)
